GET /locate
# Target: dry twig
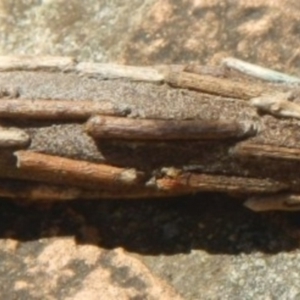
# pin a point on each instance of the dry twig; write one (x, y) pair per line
(104, 127)
(277, 105)
(228, 184)
(281, 201)
(258, 71)
(56, 109)
(266, 151)
(67, 171)
(36, 63)
(215, 86)
(13, 138)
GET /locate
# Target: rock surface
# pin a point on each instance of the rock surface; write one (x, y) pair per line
(65, 270)
(202, 247)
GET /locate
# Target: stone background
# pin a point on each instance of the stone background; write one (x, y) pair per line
(201, 247)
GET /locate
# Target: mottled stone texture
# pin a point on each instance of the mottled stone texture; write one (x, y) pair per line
(155, 31)
(64, 270)
(204, 247)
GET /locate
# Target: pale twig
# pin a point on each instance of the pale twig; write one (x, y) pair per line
(106, 127)
(34, 63)
(258, 71)
(114, 71)
(277, 105)
(13, 138)
(57, 109)
(282, 201)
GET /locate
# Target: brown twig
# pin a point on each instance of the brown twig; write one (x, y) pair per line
(266, 151)
(56, 109)
(61, 170)
(140, 129)
(217, 86)
(219, 183)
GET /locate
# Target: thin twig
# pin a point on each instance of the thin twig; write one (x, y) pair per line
(57, 109)
(114, 71)
(216, 86)
(219, 183)
(34, 63)
(258, 71)
(282, 201)
(105, 127)
(61, 170)
(266, 151)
